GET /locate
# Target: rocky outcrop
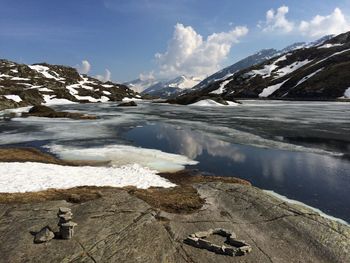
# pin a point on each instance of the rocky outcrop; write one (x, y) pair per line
(23, 85)
(128, 104)
(47, 112)
(119, 227)
(193, 98)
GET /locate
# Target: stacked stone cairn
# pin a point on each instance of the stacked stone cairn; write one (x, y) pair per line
(65, 223)
(236, 247)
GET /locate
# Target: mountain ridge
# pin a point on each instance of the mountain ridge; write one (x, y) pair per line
(41, 83)
(313, 72)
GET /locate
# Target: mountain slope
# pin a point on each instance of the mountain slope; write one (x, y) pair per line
(314, 72)
(23, 85)
(255, 59)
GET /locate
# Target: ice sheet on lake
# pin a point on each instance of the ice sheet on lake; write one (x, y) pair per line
(291, 201)
(31, 177)
(120, 155)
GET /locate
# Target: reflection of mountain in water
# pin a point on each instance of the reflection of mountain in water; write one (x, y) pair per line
(192, 144)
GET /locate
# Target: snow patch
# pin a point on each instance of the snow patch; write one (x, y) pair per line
(309, 76)
(220, 90)
(212, 103)
(51, 100)
(271, 89)
(46, 90)
(44, 71)
(18, 78)
(347, 93)
(126, 99)
(330, 45)
(31, 177)
(120, 155)
(15, 98)
(291, 68)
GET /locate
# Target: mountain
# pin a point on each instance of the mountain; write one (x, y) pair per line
(319, 71)
(166, 89)
(140, 84)
(162, 88)
(255, 59)
(23, 85)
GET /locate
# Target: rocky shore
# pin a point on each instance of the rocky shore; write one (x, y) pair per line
(132, 225)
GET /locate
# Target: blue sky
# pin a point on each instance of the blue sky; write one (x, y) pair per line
(123, 36)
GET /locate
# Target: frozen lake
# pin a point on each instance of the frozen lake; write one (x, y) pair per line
(297, 149)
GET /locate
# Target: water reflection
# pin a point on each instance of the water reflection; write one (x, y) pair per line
(318, 180)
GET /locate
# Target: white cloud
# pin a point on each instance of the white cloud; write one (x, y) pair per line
(147, 76)
(84, 68)
(189, 54)
(104, 78)
(277, 21)
(335, 23)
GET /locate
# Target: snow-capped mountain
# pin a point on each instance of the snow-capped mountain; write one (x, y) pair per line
(315, 71)
(163, 88)
(23, 85)
(166, 89)
(255, 59)
(140, 84)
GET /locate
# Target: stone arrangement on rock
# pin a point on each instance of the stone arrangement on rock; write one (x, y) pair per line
(236, 247)
(44, 235)
(65, 223)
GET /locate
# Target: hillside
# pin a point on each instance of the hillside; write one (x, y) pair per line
(23, 85)
(316, 72)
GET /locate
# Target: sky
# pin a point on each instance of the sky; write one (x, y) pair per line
(121, 40)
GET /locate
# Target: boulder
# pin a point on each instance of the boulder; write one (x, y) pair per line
(128, 104)
(41, 109)
(47, 112)
(44, 235)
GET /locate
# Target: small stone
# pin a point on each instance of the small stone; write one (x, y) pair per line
(192, 241)
(44, 235)
(244, 250)
(230, 251)
(224, 232)
(67, 230)
(203, 234)
(64, 210)
(65, 217)
(236, 243)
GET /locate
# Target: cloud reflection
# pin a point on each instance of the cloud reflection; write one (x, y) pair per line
(193, 144)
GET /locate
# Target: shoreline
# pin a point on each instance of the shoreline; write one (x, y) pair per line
(181, 179)
(157, 220)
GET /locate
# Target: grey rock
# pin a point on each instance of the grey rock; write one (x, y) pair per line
(64, 210)
(67, 230)
(119, 227)
(44, 235)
